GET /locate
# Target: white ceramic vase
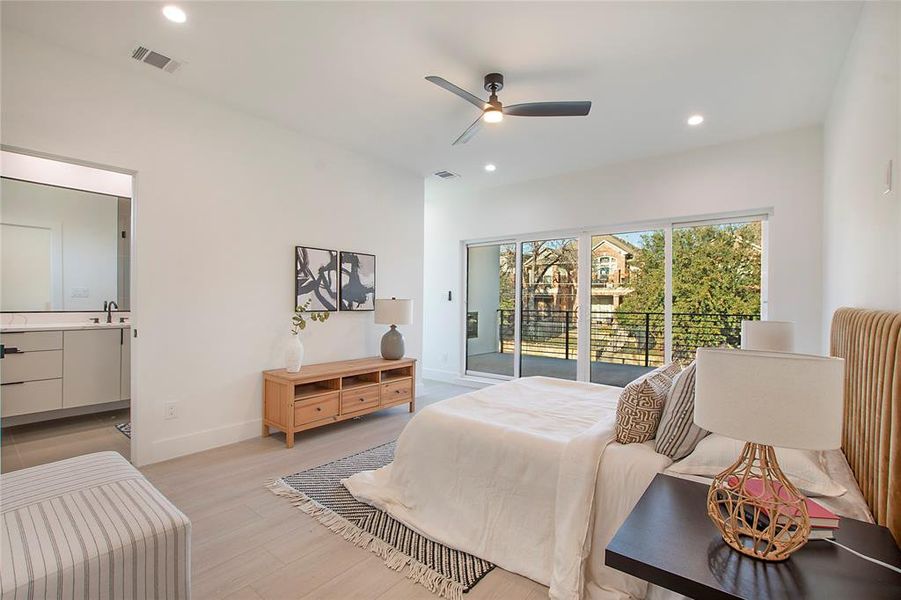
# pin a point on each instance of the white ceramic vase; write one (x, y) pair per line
(294, 354)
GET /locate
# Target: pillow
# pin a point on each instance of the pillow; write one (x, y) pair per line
(804, 468)
(677, 434)
(641, 403)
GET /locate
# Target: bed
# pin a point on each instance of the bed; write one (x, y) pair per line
(530, 473)
(526, 473)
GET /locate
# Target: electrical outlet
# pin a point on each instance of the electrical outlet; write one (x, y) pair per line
(81, 292)
(171, 410)
(889, 176)
(444, 358)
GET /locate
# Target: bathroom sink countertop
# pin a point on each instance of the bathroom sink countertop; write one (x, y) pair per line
(61, 326)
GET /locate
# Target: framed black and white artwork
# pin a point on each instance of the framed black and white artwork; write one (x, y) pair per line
(316, 278)
(357, 281)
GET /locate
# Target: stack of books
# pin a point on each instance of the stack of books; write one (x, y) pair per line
(823, 522)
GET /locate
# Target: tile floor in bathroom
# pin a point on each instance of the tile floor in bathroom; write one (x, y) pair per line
(25, 446)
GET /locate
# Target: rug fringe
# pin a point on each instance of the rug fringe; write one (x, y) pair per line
(394, 559)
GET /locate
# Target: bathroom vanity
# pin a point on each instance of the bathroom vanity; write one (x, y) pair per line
(64, 307)
(54, 370)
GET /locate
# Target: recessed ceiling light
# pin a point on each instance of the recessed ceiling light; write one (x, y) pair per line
(695, 120)
(490, 168)
(174, 14)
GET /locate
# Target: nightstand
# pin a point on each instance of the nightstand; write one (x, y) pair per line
(669, 541)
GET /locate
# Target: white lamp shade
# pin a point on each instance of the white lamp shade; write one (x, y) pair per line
(775, 336)
(772, 398)
(393, 311)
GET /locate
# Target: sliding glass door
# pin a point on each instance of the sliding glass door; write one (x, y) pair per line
(490, 303)
(627, 305)
(649, 296)
(716, 283)
(549, 316)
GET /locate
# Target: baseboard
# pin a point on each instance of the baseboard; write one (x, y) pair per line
(440, 375)
(62, 413)
(199, 441)
(457, 379)
(477, 382)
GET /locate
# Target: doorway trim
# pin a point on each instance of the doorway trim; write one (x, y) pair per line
(137, 415)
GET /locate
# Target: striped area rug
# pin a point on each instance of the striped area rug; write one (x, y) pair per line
(319, 493)
(124, 429)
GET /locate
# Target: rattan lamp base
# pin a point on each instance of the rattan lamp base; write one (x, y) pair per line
(769, 526)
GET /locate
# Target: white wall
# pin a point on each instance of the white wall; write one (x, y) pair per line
(221, 199)
(87, 225)
(862, 225)
(484, 292)
(781, 171)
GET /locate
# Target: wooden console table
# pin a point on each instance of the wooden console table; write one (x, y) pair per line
(330, 392)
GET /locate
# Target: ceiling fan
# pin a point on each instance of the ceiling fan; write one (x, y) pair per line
(493, 111)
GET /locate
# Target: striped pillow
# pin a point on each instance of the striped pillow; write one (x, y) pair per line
(677, 434)
(641, 404)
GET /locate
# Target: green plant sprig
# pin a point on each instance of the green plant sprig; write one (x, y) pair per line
(302, 314)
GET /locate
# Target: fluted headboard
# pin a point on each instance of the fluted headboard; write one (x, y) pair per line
(870, 343)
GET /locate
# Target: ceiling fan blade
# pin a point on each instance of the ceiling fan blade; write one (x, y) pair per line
(471, 98)
(549, 109)
(470, 132)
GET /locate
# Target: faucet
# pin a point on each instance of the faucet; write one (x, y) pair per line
(108, 306)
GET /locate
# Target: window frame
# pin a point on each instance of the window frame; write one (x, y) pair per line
(583, 238)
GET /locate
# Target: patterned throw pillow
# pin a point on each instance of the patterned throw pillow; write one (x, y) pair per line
(677, 434)
(641, 403)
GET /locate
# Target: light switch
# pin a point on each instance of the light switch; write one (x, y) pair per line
(80, 292)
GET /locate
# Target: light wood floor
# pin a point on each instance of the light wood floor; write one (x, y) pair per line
(25, 446)
(251, 544)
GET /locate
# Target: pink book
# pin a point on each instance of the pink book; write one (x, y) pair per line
(819, 515)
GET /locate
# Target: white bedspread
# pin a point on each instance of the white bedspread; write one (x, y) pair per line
(509, 473)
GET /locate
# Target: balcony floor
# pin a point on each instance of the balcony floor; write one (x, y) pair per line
(601, 372)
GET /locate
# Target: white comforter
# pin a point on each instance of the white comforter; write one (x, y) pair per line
(510, 473)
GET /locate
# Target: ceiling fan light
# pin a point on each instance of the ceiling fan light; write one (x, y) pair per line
(695, 120)
(492, 115)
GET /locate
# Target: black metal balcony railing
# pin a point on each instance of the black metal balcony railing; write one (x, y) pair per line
(632, 338)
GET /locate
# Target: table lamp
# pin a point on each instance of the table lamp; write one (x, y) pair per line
(766, 399)
(393, 312)
(776, 336)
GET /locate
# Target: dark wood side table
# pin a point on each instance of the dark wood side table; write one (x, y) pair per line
(669, 541)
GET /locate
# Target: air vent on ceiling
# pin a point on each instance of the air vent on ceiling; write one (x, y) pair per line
(155, 59)
(446, 175)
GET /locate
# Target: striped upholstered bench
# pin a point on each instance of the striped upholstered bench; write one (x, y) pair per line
(91, 527)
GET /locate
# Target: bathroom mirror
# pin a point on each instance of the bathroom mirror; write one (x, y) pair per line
(62, 249)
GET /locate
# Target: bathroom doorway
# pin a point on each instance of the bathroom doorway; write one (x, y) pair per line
(65, 309)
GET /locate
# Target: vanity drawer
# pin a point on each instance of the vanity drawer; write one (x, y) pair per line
(32, 341)
(397, 392)
(359, 399)
(31, 397)
(29, 366)
(316, 409)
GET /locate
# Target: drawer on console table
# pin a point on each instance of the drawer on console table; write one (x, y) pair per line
(361, 398)
(31, 366)
(316, 408)
(32, 341)
(397, 392)
(31, 397)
